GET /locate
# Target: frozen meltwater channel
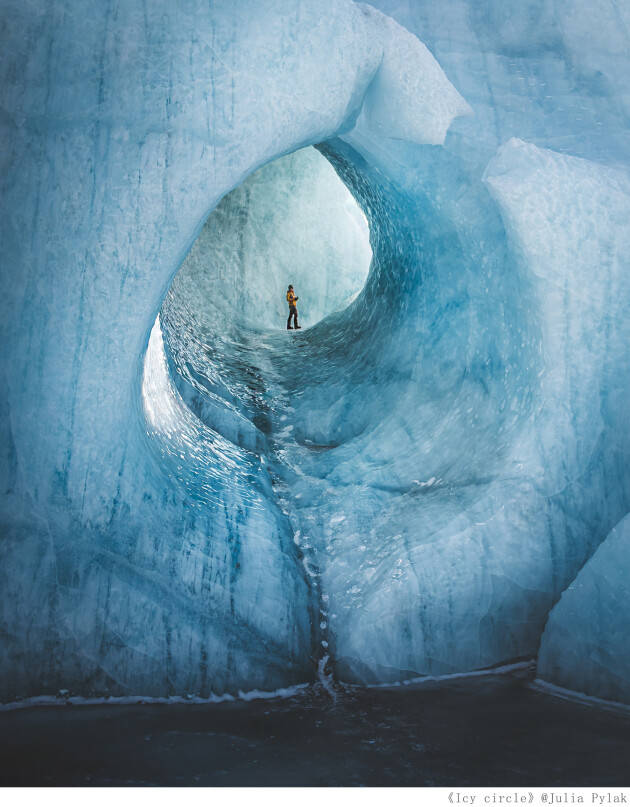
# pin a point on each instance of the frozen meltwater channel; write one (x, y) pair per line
(434, 473)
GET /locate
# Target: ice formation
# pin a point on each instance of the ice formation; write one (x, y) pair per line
(292, 220)
(585, 644)
(197, 502)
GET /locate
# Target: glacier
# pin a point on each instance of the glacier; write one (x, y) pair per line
(584, 647)
(430, 478)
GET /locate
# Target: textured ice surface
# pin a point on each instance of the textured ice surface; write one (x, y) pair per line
(409, 98)
(585, 643)
(200, 504)
(291, 221)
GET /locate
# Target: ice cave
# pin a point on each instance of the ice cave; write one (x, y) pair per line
(432, 477)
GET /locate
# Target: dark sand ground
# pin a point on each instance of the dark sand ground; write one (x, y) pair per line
(491, 730)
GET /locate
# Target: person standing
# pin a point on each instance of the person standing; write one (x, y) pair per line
(292, 299)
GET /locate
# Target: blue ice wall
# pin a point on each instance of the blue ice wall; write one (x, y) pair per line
(405, 488)
(585, 643)
(294, 221)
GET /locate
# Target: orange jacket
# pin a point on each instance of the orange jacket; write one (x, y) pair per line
(291, 298)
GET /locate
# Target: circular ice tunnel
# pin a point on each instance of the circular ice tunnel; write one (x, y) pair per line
(415, 478)
(292, 221)
(421, 455)
(381, 424)
(401, 436)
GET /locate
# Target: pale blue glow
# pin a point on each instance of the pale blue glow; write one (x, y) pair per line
(195, 502)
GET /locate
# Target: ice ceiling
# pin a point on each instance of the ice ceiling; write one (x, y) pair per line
(433, 477)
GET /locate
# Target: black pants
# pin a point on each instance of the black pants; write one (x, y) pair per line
(292, 313)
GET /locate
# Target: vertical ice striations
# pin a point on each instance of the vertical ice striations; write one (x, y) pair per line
(555, 75)
(196, 505)
(127, 566)
(120, 135)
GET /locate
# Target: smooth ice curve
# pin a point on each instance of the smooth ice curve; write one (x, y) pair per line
(196, 508)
